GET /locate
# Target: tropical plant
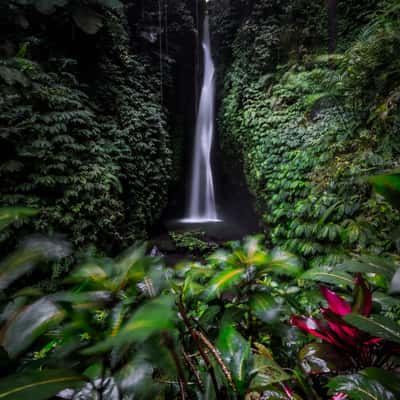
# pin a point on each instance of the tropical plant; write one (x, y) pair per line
(346, 347)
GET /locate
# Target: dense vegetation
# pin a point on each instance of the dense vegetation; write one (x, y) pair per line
(311, 127)
(93, 113)
(85, 135)
(231, 328)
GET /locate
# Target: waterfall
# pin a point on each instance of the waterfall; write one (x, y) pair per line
(201, 206)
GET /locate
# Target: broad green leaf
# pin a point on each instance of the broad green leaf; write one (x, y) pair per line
(90, 271)
(34, 250)
(29, 324)
(191, 288)
(388, 185)
(223, 281)
(375, 325)
(9, 215)
(384, 300)
(235, 351)
(251, 254)
(328, 275)
(127, 260)
(366, 265)
(284, 263)
(266, 370)
(265, 307)
(18, 264)
(84, 299)
(388, 379)
(38, 385)
(132, 265)
(359, 387)
(136, 378)
(153, 317)
(322, 358)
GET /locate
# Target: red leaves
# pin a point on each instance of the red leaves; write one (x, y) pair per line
(336, 304)
(340, 396)
(332, 328)
(318, 328)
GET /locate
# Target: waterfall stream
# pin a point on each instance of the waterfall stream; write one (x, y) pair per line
(201, 206)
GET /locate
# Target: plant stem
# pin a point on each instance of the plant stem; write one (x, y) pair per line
(193, 368)
(182, 380)
(218, 358)
(203, 354)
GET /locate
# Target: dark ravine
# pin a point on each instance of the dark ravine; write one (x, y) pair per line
(216, 200)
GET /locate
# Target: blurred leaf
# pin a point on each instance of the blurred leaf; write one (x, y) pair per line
(266, 370)
(130, 257)
(265, 307)
(18, 264)
(388, 185)
(375, 325)
(322, 358)
(37, 385)
(328, 275)
(153, 317)
(284, 263)
(388, 379)
(136, 378)
(29, 324)
(90, 271)
(9, 215)
(191, 288)
(223, 281)
(235, 351)
(375, 265)
(359, 387)
(384, 300)
(89, 298)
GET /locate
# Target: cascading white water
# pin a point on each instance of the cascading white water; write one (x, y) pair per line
(201, 207)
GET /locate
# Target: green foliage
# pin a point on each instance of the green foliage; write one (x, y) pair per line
(193, 242)
(84, 14)
(376, 325)
(306, 138)
(40, 385)
(129, 326)
(83, 134)
(362, 386)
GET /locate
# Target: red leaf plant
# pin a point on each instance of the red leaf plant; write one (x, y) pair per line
(358, 349)
(361, 349)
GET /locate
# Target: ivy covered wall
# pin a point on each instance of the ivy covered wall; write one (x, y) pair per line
(86, 135)
(309, 127)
